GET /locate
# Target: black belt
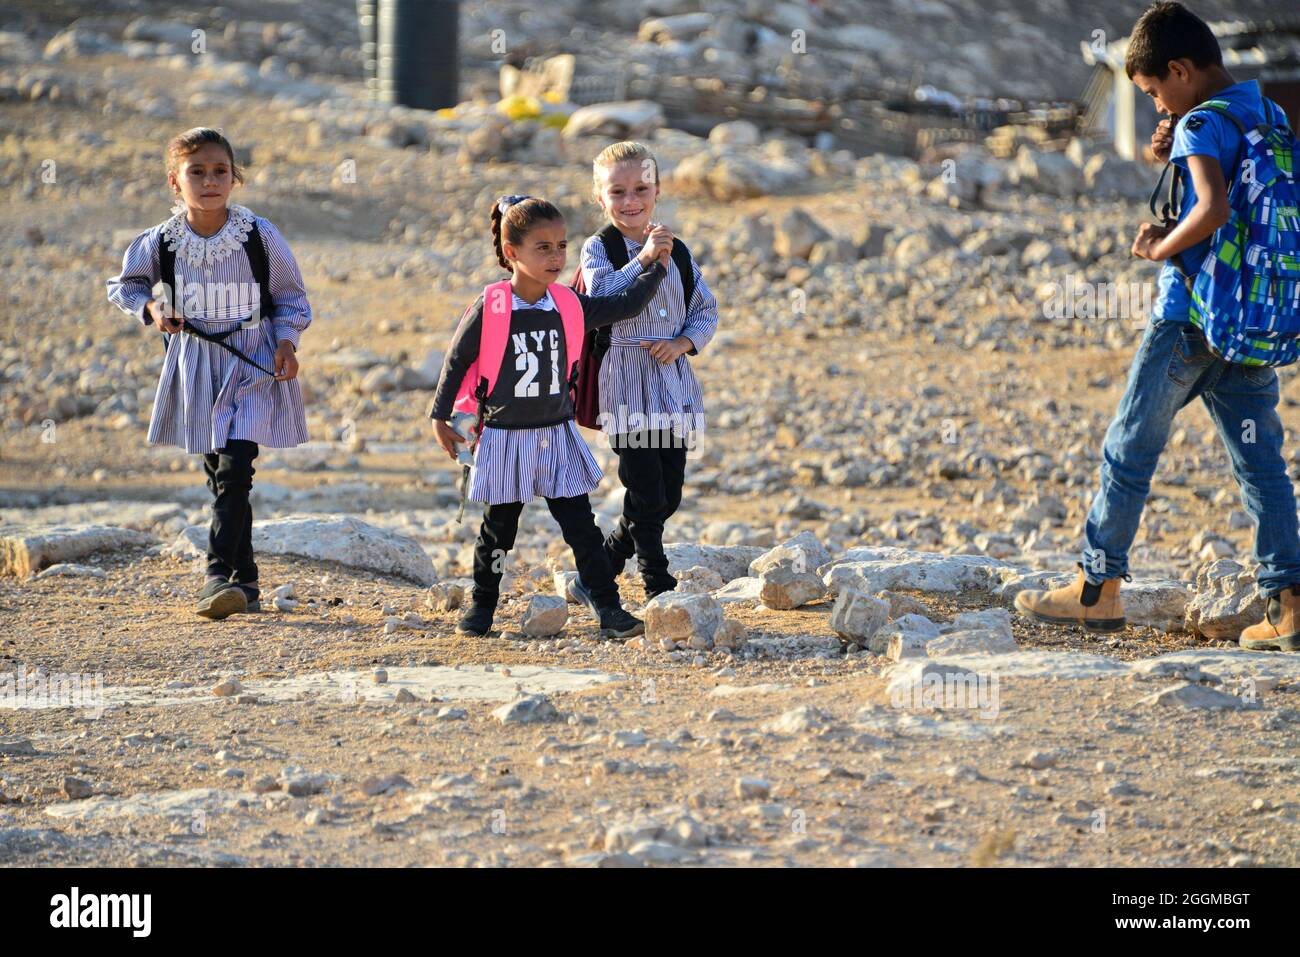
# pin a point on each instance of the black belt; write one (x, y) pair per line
(219, 338)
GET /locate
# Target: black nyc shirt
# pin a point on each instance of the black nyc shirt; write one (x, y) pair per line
(532, 387)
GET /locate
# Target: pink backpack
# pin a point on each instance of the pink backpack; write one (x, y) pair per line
(482, 374)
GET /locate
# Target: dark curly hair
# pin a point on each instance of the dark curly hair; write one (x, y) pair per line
(521, 215)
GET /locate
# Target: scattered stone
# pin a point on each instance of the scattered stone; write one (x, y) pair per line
(376, 785)
(529, 709)
(798, 720)
(752, 788)
(911, 630)
(856, 616)
(228, 688)
(1225, 602)
(1187, 695)
(783, 587)
(545, 616)
(690, 619)
(731, 635)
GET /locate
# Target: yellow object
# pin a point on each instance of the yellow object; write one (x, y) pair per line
(520, 108)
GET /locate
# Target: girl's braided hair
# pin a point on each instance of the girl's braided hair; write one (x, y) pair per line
(513, 217)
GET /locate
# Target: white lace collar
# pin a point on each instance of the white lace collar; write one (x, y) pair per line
(204, 252)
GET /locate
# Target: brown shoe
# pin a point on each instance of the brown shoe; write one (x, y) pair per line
(1095, 607)
(1280, 629)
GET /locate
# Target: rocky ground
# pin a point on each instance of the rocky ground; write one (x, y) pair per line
(904, 431)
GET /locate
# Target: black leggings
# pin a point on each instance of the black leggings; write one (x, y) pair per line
(496, 536)
(230, 538)
(652, 467)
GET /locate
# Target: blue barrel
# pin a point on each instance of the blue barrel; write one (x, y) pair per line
(418, 53)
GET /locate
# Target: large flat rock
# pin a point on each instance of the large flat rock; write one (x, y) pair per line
(465, 683)
(172, 804)
(25, 550)
(729, 561)
(875, 569)
(333, 538)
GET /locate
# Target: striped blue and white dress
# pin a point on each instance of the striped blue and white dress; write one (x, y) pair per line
(636, 388)
(518, 465)
(207, 396)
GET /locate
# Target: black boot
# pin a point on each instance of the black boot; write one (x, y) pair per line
(477, 620)
(220, 599)
(618, 624)
(253, 594)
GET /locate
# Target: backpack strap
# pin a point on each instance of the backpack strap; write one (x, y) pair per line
(686, 270)
(260, 264)
(566, 301)
(616, 253)
(615, 248)
(497, 303)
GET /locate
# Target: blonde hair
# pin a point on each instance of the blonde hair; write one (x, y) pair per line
(628, 151)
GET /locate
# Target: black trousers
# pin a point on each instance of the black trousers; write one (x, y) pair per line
(652, 467)
(230, 538)
(496, 536)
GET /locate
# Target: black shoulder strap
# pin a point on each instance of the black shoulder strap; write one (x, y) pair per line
(166, 264)
(255, 250)
(615, 248)
(685, 269)
(616, 253)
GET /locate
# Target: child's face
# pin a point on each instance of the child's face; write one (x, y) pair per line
(541, 255)
(1175, 94)
(203, 179)
(628, 193)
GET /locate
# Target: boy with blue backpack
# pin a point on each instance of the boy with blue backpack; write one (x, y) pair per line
(1227, 312)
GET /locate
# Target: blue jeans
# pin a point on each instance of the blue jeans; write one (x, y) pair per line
(1172, 367)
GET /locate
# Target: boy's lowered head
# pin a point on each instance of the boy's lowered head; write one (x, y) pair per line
(1174, 58)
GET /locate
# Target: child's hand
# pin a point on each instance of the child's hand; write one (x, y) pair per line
(286, 363)
(1162, 140)
(1147, 241)
(158, 312)
(668, 351)
(447, 437)
(658, 245)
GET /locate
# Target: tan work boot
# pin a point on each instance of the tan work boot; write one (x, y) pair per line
(1095, 607)
(1280, 629)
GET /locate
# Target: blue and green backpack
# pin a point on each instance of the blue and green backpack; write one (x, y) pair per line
(1246, 296)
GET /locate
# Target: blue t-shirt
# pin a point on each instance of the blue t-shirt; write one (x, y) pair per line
(1205, 133)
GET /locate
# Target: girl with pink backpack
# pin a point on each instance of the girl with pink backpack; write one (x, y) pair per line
(512, 365)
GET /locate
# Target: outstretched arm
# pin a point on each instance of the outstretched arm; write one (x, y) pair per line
(606, 310)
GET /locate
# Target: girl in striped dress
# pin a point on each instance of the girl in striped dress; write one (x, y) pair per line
(227, 279)
(529, 445)
(651, 408)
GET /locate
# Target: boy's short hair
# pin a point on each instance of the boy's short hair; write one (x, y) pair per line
(1169, 31)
